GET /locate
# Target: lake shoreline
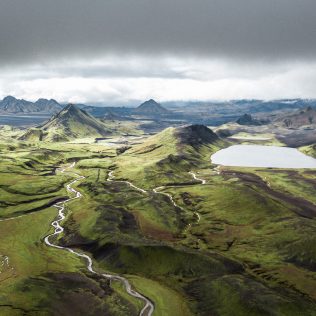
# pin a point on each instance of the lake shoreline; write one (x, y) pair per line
(260, 156)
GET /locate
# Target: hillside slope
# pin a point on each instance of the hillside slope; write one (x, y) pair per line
(68, 124)
(167, 156)
(300, 118)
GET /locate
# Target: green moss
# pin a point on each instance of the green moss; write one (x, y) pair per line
(231, 248)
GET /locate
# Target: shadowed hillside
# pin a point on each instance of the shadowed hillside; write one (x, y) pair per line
(195, 135)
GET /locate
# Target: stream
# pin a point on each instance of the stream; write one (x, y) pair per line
(148, 309)
(157, 190)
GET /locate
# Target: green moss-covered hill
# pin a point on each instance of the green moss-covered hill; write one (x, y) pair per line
(71, 122)
(241, 242)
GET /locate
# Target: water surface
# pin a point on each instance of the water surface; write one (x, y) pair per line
(262, 156)
(23, 120)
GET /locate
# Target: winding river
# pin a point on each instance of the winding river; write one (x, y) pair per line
(148, 308)
(157, 190)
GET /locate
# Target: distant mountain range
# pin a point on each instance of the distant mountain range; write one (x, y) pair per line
(253, 105)
(293, 120)
(149, 108)
(70, 123)
(12, 105)
(210, 113)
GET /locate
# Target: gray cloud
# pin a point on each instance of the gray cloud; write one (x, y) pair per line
(123, 50)
(37, 31)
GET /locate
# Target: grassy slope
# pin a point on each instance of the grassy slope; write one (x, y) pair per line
(37, 279)
(195, 268)
(69, 123)
(161, 160)
(256, 231)
(237, 226)
(73, 124)
(309, 150)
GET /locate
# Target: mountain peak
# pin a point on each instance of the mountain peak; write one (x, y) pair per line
(41, 100)
(9, 98)
(70, 107)
(151, 107)
(69, 111)
(150, 102)
(70, 123)
(195, 135)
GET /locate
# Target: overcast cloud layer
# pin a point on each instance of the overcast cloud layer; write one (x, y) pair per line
(118, 50)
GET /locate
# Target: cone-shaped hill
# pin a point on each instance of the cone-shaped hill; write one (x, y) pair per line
(177, 140)
(195, 135)
(70, 123)
(168, 154)
(151, 107)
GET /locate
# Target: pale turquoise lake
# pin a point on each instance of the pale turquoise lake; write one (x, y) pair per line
(262, 156)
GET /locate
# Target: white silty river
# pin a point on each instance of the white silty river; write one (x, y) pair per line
(148, 308)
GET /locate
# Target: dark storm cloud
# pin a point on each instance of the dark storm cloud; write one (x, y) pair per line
(37, 30)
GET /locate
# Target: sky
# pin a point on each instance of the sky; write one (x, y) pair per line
(125, 51)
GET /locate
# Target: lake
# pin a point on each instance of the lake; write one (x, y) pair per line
(23, 120)
(262, 156)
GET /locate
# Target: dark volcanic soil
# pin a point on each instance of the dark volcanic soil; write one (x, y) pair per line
(298, 205)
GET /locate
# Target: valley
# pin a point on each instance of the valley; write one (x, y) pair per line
(190, 237)
(157, 158)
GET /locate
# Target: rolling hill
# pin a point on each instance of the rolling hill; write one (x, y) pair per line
(194, 238)
(69, 123)
(168, 153)
(176, 141)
